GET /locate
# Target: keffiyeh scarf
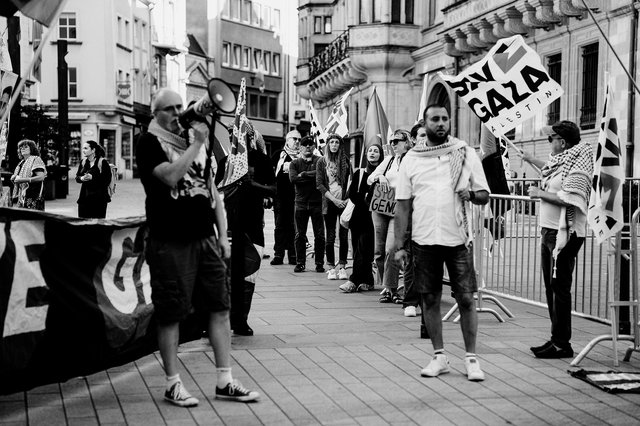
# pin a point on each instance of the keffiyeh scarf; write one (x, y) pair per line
(193, 182)
(456, 149)
(575, 166)
(25, 170)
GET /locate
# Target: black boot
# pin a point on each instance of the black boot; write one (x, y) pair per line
(241, 327)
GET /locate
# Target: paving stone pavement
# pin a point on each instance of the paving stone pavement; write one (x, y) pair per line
(322, 357)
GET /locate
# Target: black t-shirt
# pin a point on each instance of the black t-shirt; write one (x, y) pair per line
(184, 215)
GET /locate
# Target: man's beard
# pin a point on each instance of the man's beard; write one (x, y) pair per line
(435, 138)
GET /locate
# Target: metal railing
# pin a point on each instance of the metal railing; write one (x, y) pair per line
(335, 52)
(510, 250)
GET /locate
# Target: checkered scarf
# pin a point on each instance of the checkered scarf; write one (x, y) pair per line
(575, 166)
(456, 150)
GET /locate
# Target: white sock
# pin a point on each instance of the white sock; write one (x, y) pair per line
(172, 380)
(438, 352)
(469, 355)
(224, 377)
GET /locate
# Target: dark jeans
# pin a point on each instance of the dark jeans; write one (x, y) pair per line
(330, 221)
(302, 214)
(411, 295)
(362, 241)
(558, 289)
(285, 231)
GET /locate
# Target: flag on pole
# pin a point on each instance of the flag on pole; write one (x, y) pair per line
(423, 98)
(237, 164)
(42, 11)
(376, 127)
(316, 128)
(605, 215)
(337, 121)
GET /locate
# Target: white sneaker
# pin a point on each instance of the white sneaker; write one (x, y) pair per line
(438, 365)
(474, 373)
(332, 275)
(410, 311)
(342, 274)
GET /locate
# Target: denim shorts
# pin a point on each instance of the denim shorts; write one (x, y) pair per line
(184, 275)
(428, 264)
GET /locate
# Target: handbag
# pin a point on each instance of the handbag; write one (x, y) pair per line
(35, 203)
(345, 217)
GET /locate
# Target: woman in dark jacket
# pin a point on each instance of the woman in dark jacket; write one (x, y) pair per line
(94, 173)
(361, 225)
(332, 177)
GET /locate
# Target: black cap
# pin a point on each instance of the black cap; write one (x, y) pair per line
(307, 141)
(567, 130)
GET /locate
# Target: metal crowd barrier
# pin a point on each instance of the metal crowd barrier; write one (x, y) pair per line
(508, 253)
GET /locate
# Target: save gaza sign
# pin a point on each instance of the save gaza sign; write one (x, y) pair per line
(508, 86)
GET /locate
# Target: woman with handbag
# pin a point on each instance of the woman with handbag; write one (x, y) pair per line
(361, 225)
(332, 175)
(28, 178)
(384, 177)
(94, 173)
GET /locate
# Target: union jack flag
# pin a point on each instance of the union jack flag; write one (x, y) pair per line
(237, 164)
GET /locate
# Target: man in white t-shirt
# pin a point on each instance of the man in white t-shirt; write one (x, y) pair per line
(436, 181)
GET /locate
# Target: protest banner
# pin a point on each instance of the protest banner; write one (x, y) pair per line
(75, 297)
(383, 202)
(508, 86)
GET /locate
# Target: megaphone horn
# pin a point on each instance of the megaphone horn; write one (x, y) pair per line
(219, 96)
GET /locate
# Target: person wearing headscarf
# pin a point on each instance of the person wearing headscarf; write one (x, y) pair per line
(283, 201)
(332, 176)
(564, 199)
(361, 225)
(28, 177)
(94, 173)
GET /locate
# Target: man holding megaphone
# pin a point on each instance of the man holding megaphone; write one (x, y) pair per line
(187, 244)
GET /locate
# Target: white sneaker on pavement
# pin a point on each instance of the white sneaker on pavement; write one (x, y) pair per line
(474, 373)
(348, 287)
(342, 274)
(438, 365)
(410, 311)
(332, 275)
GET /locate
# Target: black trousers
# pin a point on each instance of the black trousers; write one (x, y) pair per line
(285, 230)
(92, 210)
(303, 213)
(362, 242)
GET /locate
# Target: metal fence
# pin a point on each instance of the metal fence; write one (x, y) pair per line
(509, 244)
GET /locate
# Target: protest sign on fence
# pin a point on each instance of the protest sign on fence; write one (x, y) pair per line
(75, 297)
(508, 86)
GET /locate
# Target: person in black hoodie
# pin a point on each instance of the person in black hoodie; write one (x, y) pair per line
(94, 173)
(361, 225)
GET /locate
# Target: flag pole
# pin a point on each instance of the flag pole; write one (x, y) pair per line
(36, 55)
(611, 47)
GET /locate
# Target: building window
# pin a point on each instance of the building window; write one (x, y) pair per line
(377, 10)
(136, 32)
(408, 11)
(73, 83)
(275, 19)
(431, 19)
(327, 25)
(257, 59)
(236, 55)
(273, 108)
(364, 11)
(246, 11)
(253, 105)
(554, 64)
(395, 11)
(246, 58)
(275, 69)
(226, 53)
(67, 26)
(235, 9)
(266, 60)
(589, 86)
(265, 19)
(255, 16)
(225, 9)
(317, 24)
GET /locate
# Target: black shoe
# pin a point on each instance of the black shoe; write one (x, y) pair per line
(552, 352)
(319, 268)
(292, 262)
(299, 268)
(536, 349)
(277, 260)
(244, 330)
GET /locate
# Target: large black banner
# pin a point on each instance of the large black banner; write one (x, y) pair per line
(75, 297)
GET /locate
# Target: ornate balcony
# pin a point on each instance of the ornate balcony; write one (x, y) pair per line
(330, 56)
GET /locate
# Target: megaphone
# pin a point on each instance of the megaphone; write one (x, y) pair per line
(219, 97)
